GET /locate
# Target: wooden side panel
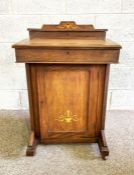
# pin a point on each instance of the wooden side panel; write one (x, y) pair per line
(97, 83)
(100, 101)
(33, 98)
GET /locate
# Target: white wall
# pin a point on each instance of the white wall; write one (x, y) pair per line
(17, 15)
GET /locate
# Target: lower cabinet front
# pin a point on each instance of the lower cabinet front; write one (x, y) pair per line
(67, 101)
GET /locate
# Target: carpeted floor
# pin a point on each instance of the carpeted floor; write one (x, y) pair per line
(71, 159)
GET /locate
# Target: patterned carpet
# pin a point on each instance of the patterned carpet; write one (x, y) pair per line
(71, 159)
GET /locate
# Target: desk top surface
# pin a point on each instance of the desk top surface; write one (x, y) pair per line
(66, 43)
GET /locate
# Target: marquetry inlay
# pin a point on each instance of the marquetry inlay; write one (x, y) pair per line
(67, 117)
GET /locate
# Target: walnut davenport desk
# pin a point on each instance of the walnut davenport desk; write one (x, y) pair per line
(67, 68)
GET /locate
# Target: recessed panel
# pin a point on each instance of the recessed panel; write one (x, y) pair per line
(67, 100)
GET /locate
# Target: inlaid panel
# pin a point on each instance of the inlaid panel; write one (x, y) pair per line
(68, 100)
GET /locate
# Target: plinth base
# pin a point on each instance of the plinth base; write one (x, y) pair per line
(33, 142)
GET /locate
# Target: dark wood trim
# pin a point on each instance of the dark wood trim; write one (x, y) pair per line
(52, 48)
(65, 30)
(103, 145)
(70, 140)
(105, 96)
(31, 148)
(29, 88)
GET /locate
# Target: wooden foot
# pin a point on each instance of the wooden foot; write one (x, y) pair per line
(103, 145)
(31, 148)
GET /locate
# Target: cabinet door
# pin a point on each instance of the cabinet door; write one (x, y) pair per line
(70, 101)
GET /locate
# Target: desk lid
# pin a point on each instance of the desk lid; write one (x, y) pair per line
(67, 43)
